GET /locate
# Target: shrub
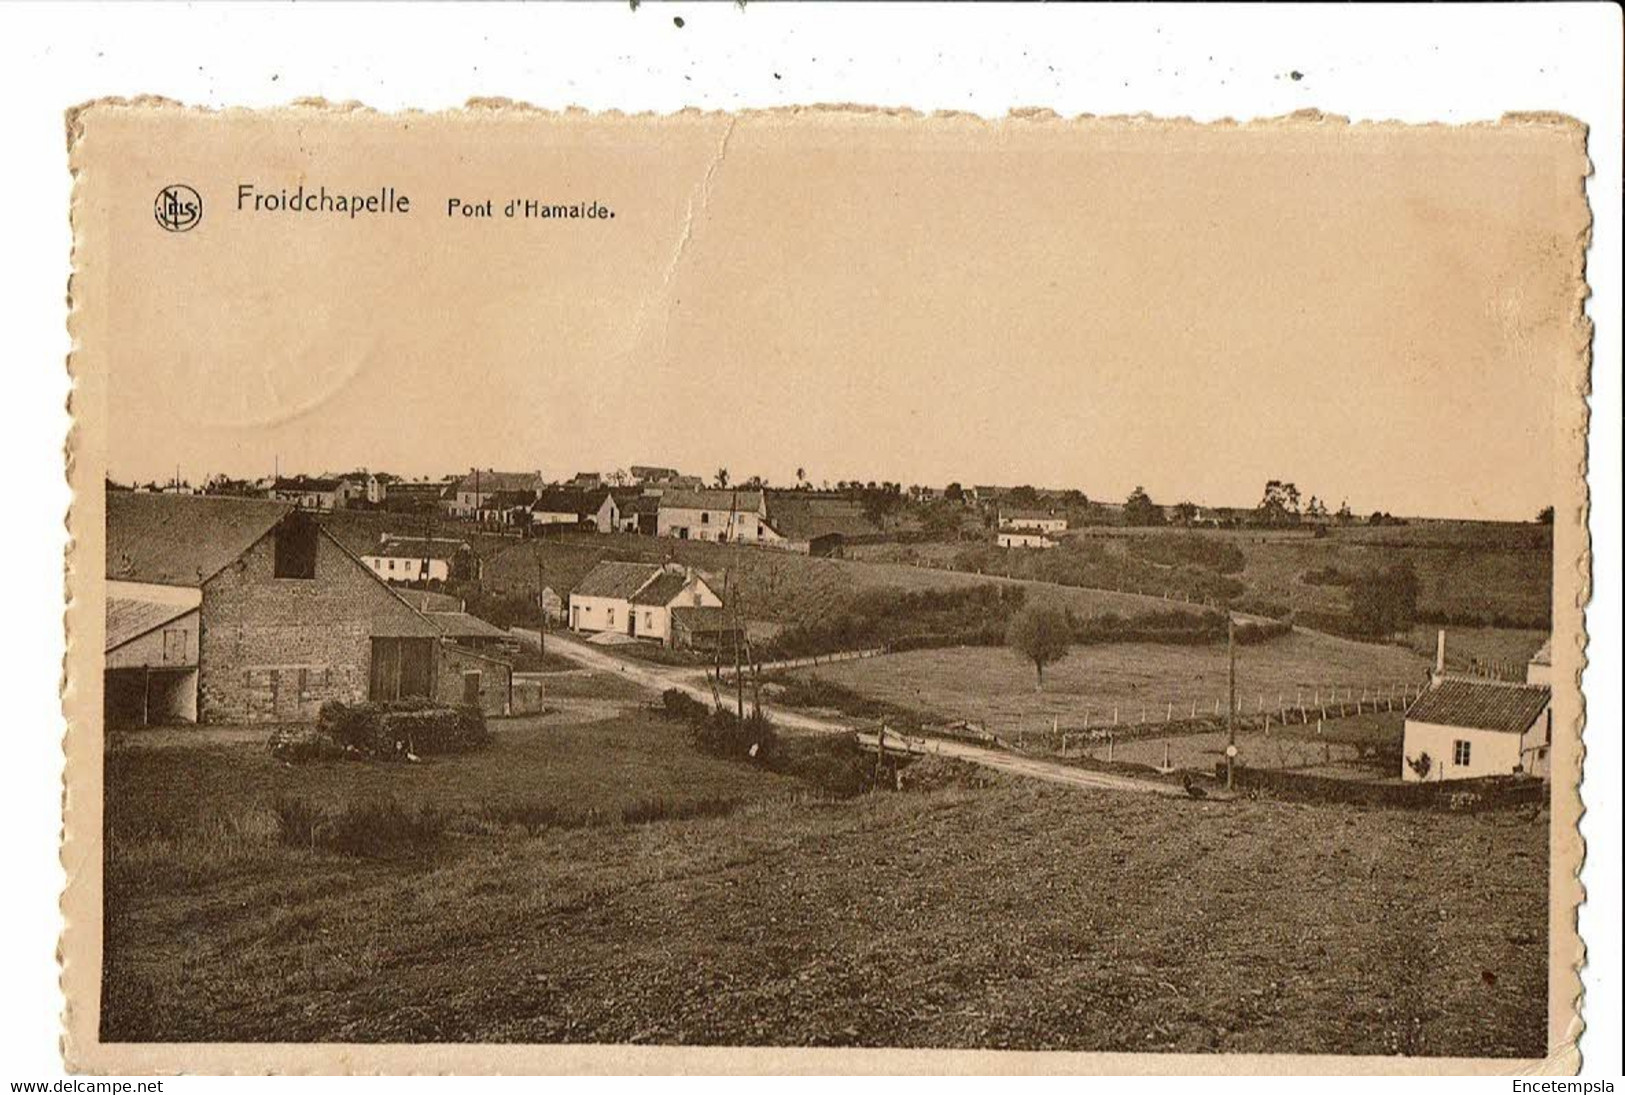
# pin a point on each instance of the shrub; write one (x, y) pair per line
(1192, 549)
(373, 828)
(679, 705)
(727, 735)
(396, 727)
(297, 821)
(382, 827)
(535, 816)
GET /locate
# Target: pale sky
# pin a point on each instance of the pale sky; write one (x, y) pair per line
(1378, 314)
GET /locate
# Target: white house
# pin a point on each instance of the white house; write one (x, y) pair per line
(319, 495)
(723, 516)
(414, 559)
(637, 599)
(1467, 728)
(1022, 538)
(560, 506)
(1032, 520)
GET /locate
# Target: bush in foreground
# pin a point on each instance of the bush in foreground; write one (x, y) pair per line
(375, 828)
(398, 727)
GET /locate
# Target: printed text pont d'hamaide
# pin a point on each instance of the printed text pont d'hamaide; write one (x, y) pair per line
(386, 200)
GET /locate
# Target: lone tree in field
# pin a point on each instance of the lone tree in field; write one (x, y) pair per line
(1040, 634)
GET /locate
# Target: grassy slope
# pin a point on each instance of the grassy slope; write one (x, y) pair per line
(1479, 569)
(776, 586)
(1072, 920)
(171, 792)
(994, 685)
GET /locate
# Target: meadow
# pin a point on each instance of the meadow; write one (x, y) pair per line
(996, 687)
(1471, 573)
(1016, 915)
(773, 586)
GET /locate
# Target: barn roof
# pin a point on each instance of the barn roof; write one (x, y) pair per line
(425, 600)
(619, 580)
(301, 483)
(1481, 705)
(463, 625)
(407, 547)
(182, 539)
(130, 618)
(742, 501)
(557, 500)
(810, 518)
(488, 482)
(662, 590)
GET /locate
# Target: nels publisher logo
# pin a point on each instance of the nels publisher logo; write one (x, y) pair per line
(177, 208)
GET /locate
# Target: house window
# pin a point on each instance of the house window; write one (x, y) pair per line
(1464, 754)
(609, 615)
(705, 518)
(392, 564)
(649, 621)
(296, 548)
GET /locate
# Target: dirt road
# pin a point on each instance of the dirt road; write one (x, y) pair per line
(659, 678)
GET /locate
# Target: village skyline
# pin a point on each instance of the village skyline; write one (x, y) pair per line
(743, 476)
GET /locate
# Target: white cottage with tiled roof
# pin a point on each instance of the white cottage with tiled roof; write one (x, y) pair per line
(637, 599)
(723, 516)
(1467, 728)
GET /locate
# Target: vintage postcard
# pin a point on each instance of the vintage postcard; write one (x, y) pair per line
(823, 590)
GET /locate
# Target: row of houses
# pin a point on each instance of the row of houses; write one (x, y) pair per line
(241, 610)
(790, 520)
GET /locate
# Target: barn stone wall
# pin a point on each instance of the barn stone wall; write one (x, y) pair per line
(275, 649)
(494, 679)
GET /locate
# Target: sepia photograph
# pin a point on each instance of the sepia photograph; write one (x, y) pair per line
(827, 579)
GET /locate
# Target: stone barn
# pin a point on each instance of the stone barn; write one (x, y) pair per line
(228, 610)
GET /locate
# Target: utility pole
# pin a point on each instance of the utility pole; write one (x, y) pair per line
(1230, 751)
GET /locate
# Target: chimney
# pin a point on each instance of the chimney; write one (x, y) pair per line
(1438, 660)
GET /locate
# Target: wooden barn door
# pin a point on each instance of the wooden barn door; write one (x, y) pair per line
(401, 667)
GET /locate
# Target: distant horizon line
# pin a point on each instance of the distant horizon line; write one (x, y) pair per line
(827, 484)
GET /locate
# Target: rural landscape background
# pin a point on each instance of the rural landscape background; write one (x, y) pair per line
(706, 846)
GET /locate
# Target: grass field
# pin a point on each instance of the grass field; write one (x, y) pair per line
(993, 685)
(774, 586)
(1336, 751)
(1020, 915)
(1467, 570)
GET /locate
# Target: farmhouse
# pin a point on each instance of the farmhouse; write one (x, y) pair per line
(1022, 538)
(559, 506)
(618, 509)
(724, 516)
(637, 599)
(1033, 520)
(416, 559)
(1464, 728)
(320, 495)
(363, 488)
(242, 610)
(474, 491)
